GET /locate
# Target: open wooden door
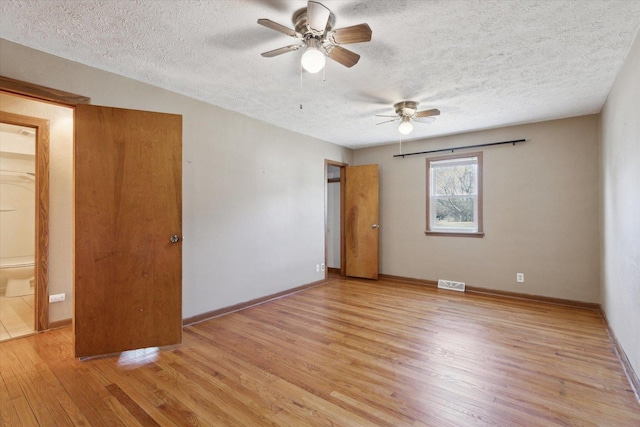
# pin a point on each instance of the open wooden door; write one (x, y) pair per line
(128, 230)
(361, 224)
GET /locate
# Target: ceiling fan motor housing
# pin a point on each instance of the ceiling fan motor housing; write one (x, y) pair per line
(300, 22)
(406, 108)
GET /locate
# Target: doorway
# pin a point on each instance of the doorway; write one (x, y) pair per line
(17, 230)
(334, 217)
(53, 125)
(351, 220)
(24, 219)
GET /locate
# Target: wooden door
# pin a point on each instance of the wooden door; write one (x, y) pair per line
(361, 224)
(128, 202)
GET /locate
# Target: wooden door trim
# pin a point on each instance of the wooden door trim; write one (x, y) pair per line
(58, 97)
(342, 167)
(19, 87)
(41, 302)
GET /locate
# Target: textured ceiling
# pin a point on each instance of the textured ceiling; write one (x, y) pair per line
(483, 63)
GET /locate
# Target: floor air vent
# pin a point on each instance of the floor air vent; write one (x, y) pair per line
(451, 285)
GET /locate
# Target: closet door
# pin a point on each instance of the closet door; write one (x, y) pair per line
(128, 230)
(361, 225)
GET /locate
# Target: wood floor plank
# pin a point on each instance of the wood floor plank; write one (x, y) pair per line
(298, 387)
(132, 407)
(234, 392)
(261, 386)
(8, 415)
(348, 353)
(44, 405)
(126, 379)
(89, 395)
(172, 407)
(208, 401)
(24, 412)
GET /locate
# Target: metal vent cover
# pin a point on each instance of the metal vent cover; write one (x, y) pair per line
(451, 285)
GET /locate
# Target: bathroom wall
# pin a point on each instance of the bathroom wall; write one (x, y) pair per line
(60, 196)
(17, 205)
(17, 196)
(17, 192)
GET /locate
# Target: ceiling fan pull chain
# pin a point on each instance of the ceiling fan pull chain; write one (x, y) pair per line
(301, 87)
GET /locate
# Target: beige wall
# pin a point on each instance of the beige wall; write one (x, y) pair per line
(540, 212)
(253, 194)
(60, 194)
(620, 139)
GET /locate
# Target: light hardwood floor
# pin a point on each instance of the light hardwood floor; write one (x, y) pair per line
(347, 353)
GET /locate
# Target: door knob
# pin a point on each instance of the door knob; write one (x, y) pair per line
(375, 226)
(174, 238)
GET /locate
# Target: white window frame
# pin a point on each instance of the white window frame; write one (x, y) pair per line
(456, 159)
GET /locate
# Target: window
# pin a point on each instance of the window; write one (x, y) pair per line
(454, 195)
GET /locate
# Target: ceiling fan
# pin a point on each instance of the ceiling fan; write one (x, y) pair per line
(314, 28)
(406, 111)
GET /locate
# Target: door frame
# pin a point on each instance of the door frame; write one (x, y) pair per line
(343, 260)
(57, 97)
(41, 304)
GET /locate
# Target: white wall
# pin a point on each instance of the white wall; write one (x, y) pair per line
(17, 195)
(540, 212)
(18, 201)
(253, 194)
(620, 139)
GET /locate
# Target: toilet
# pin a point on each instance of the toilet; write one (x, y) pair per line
(18, 272)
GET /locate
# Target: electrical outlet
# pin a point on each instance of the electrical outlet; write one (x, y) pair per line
(322, 267)
(56, 297)
(520, 277)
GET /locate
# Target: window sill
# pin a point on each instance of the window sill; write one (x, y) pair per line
(454, 233)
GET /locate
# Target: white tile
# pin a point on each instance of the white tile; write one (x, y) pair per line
(16, 317)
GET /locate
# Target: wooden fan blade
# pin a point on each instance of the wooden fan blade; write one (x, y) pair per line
(275, 26)
(387, 121)
(281, 50)
(317, 17)
(385, 115)
(356, 34)
(424, 120)
(428, 113)
(344, 56)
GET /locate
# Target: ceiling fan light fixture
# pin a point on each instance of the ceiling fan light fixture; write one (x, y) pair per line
(405, 127)
(313, 59)
(314, 28)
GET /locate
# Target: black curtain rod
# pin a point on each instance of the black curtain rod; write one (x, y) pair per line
(514, 142)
